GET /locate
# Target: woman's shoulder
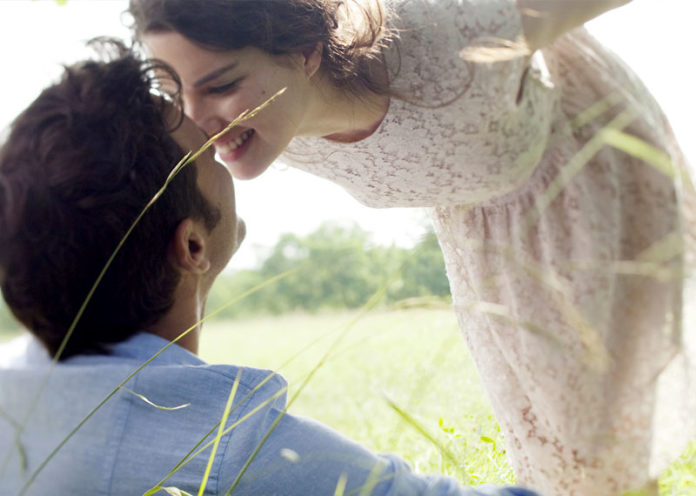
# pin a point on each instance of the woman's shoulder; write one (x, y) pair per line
(478, 9)
(473, 20)
(428, 60)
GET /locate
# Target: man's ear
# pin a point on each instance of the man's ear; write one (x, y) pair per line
(188, 248)
(312, 59)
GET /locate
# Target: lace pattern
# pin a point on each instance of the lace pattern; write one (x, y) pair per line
(563, 253)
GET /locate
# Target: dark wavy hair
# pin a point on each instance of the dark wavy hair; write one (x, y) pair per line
(351, 32)
(79, 165)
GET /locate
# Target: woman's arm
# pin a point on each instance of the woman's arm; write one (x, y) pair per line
(545, 20)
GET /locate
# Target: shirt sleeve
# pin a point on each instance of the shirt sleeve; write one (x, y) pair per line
(301, 456)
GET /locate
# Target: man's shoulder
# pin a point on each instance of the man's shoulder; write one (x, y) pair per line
(143, 367)
(213, 380)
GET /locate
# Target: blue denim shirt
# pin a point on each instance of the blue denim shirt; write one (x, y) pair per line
(128, 446)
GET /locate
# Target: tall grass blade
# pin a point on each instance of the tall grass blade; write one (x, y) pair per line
(195, 451)
(597, 109)
(223, 421)
(175, 491)
(640, 149)
(187, 459)
(418, 427)
(575, 166)
(158, 486)
(373, 478)
(17, 441)
(558, 288)
(341, 485)
(371, 303)
(159, 407)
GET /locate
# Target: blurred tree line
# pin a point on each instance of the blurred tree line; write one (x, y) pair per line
(337, 267)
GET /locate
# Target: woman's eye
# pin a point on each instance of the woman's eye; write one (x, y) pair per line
(223, 88)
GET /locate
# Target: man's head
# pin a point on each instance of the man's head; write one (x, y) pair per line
(79, 165)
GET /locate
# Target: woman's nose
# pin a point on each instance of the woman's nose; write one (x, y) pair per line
(196, 111)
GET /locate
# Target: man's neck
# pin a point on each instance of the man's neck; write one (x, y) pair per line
(186, 337)
(181, 323)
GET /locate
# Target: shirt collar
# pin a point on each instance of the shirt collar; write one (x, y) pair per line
(144, 345)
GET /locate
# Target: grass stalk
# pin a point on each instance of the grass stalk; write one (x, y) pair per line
(225, 414)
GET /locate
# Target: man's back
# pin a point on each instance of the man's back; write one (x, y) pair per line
(131, 443)
(128, 445)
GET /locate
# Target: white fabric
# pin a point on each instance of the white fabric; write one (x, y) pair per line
(555, 243)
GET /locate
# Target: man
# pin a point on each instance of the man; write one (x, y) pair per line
(78, 168)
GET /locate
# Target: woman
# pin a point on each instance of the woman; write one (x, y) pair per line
(565, 254)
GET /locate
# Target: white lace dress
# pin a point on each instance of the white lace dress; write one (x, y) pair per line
(563, 252)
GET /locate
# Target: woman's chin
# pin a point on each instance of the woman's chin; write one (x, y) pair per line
(243, 171)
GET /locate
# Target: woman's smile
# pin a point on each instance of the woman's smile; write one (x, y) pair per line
(218, 86)
(231, 149)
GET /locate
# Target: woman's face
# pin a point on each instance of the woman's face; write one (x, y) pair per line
(219, 85)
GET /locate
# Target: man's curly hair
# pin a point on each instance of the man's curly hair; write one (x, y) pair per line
(79, 165)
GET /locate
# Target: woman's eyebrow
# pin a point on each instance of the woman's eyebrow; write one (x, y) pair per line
(214, 74)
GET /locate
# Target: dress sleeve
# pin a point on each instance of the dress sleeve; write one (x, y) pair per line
(449, 47)
(470, 118)
(479, 109)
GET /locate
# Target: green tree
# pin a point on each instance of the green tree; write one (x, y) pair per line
(423, 271)
(335, 270)
(229, 289)
(338, 267)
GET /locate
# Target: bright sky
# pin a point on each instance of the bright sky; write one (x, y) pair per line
(37, 35)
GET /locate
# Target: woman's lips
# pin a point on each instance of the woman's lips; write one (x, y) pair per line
(232, 149)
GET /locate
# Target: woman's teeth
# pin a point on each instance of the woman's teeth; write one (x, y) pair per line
(233, 145)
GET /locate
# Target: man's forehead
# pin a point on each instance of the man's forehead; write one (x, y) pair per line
(187, 135)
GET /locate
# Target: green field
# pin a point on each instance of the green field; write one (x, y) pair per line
(415, 359)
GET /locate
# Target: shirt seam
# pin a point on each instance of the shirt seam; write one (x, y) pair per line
(116, 440)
